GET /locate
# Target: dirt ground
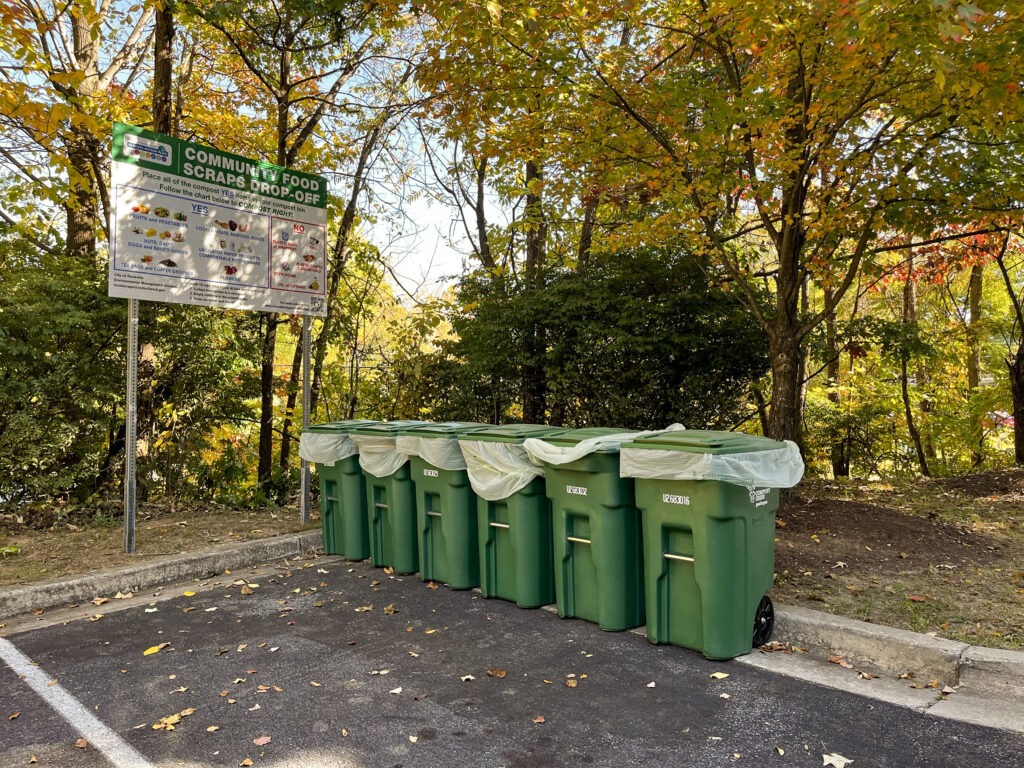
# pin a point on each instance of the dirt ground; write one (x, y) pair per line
(943, 556)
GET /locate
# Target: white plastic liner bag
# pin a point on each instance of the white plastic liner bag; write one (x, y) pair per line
(379, 455)
(774, 468)
(326, 448)
(497, 470)
(440, 452)
(541, 451)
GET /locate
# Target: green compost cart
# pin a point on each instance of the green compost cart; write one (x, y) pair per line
(390, 496)
(343, 497)
(709, 544)
(598, 564)
(514, 529)
(446, 507)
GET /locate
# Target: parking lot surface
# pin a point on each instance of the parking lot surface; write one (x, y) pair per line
(328, 663)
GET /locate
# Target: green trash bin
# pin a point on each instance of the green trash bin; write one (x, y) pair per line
(596, 527)
(708, 501)
(446, 507)
(514, 514)
(390, 495)
(342, 488)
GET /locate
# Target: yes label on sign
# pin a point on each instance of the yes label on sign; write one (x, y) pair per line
(576, 490)
(430, 473)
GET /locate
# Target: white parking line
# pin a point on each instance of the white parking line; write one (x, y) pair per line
(99, 735)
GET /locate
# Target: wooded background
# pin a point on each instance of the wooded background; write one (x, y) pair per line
(801, 219)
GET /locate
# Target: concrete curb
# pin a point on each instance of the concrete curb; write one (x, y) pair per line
(985, 671)
(889, 650)
(20, 600)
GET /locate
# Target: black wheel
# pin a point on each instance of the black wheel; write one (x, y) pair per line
(764, 621)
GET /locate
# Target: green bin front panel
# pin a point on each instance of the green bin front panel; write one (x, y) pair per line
(515, 547)
(709, 558)
(446, 511)
(391, 512)
(343, 509)
(596, 542)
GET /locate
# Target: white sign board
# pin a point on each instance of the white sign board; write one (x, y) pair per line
(191, 224)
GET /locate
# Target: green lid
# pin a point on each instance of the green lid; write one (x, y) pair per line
(705, 441)
(516, 433)
(387, 428)
(451, 429)
(575, 436)
(340, 426)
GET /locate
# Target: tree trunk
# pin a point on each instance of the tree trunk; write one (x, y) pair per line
(787, 364)
(910, 317)
(974, 294)
(1015, 367)
(534, 382)
(80, 207)
(839, 449)
(294, 382)
(266, 442)
(163, 60)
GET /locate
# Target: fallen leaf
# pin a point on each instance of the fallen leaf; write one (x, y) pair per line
(836, 760)
(364, 608)
(254, 707)
(429, 631)
(100, 600)
(189, 594)
(571, 683)
(833, 659)
(180, 689)
(718, 675)
(497, 672)
(187, 712)
(947, 690)
(246, 763)
(212, 728)
(867, 676)
(431, 585)
(245, 590)
(380, 671)
(916, 598)
(321, 570)
(907, 676)
(416, 655)
(122, 595)
(314, 683)
(154, 649)
(33, 760)
(780, 751)
(390, 609)
(724, 696)
(261, 741)
(81, 744)
(344, 731)
(96, 617)
(155, 610)
(188, 609)
(467, 678)
(396, 691)
(652, 684)
(538, 719)
(14, 716)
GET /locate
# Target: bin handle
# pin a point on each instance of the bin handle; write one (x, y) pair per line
(577, 540)
(433, 514)
(500, 525)
(680, 558)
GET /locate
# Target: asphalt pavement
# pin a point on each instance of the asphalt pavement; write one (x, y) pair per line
(319, 662)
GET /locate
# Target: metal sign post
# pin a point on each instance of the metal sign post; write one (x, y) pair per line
(303, 464)
(130, 424)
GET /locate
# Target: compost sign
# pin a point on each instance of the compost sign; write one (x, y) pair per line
(191, 224)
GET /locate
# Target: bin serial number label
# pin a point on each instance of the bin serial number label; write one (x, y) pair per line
(576, 490)
(430, 473)
(672, 498)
